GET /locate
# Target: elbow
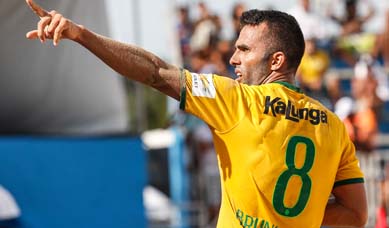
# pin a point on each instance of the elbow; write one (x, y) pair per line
(361, 218)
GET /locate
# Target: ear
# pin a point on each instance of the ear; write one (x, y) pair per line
(277, 61)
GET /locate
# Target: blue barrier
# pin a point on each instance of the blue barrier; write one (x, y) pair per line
(78, 183)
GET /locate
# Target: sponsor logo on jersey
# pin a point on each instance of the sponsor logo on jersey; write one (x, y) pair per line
(276, 106)
(202, 85)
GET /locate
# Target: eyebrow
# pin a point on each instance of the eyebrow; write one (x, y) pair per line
(243, 47)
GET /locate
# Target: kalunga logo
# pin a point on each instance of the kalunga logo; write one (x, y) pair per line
(278, 107)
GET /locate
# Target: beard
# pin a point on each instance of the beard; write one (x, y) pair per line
(257, 74)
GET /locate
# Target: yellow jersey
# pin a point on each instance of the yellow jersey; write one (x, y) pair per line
(280, 153)
(313, 67)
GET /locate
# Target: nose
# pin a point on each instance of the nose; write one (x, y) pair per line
(234, 60)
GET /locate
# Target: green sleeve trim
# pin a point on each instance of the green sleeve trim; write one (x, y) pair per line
(182, 89)
(349, 181)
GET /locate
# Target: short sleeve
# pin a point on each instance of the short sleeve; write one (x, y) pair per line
(349, 171)
(217, 100)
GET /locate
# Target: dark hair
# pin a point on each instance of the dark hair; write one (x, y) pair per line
(284, 34)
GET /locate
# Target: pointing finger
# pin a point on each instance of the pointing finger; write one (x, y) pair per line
(37, 9)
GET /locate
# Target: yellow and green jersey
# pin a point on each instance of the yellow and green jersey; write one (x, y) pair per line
(280, 152)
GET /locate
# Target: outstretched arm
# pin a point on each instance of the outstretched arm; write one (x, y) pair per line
(128, 60)
(349, 208)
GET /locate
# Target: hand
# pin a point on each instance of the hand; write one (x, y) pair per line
(52, 25)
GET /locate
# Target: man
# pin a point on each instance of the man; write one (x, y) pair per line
(281, 154)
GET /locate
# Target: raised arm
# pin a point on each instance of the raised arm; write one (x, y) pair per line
(349, 208)
(128, 60)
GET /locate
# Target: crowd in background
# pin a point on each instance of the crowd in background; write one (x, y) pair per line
(348, 72)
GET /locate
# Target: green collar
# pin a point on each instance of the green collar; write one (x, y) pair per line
(290, 86)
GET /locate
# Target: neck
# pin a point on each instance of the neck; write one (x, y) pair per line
(288, 76)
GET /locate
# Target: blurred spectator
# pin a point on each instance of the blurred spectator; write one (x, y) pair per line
(226, 48)
(352, 22)
(377, 87)
(359, 112)
(64, 97)
(311, 23)
(334, 91)
(237, 11)
(209, 176)
(360, 116)
(382, 44)
(216, 58)
(311, 71)
(353, 40)
(185, 29)
(200, 62)
(385, 42)
(206, 30)
(314, 65)
(380, 94)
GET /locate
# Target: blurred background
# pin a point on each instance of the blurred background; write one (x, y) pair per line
(82, 147)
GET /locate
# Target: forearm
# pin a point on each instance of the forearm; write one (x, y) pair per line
(132, 62)
(340, 216)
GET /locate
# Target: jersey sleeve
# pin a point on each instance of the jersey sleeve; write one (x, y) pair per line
(214, 99)
(349, 171)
